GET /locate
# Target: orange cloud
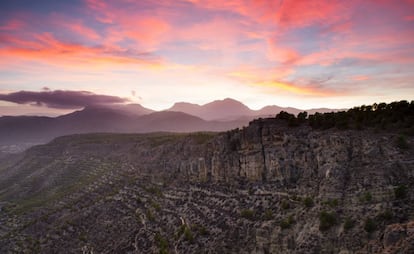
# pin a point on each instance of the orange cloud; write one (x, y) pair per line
(50, 50)
(283, 55)
(360, 78)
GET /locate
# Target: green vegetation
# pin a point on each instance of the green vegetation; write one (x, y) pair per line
(401, 142)
(288, 222)
(296, 198)
(365, 197)
(188, 235)
(202, 137)
(285, 204)
(163, 138)
(370, 225)
(385, 216)
(161, 243)
(268, 214)
(186, 231)
(400, 192)
(156, 206)
(397, 115)
(327, 220)
(247, 214)
(201, 229)
(348, 224)
(154, 190)
(331, 202)
(308, 202)
(150, 215)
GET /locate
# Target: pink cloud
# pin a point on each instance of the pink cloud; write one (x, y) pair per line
(13, 24)
(46, 48)
(83, 30)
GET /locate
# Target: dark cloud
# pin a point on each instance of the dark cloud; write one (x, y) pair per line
(61, 99)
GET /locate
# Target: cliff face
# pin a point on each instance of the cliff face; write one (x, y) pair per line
(266, 188)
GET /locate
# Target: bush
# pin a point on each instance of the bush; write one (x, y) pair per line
(348, 224)
(400, 192)
(188, 235)
(202, 230)
(385, 216)
(156, 206)
(366, 197)
(326, 220)
(268, 215)
(247, 214)
(161, 243)
(154, 190)
(332, 202)
(186, 231)
(285, 205)
(370, 225)
(402, 143)
(150, 215)
(286, 223)
(308, 202)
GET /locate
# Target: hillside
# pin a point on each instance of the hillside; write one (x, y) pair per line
(18, 133)
(266, 188)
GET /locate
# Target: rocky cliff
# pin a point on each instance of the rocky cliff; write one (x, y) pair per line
(266, 188)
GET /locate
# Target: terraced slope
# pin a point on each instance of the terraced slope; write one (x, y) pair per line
(266, 188)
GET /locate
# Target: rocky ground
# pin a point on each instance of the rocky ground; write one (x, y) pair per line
(266, 188)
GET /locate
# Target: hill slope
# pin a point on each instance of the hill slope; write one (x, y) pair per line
(266, 188)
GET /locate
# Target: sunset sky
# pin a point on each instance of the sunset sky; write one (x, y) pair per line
(299, 53)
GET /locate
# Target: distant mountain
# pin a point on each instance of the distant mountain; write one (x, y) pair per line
(220, 115)
(230, 109)
(133, 109)
(25, 130)
(227, 109)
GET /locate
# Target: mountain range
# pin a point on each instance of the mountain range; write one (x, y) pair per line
(219, 115)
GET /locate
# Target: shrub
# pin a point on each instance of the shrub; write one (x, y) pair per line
(332, 202)
(370, 225)
(154, 190)
(186, 231)
(161, 243)
(188, 235)
(366, 197)
(326, 220)
(247, 214)
(268, 215)
(149, 215)
(348, 224)
(285, 205)
(286, 223)
(400, 192)
(308, 202)
(156, 206)
(402, 142)
(202, 230)
(385, 216)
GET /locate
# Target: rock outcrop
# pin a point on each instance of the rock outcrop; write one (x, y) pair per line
(266, 188)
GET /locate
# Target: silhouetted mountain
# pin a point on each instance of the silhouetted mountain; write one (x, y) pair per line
(230, 109)
(25, 131)
(134, 109)
(227, 109)
(218, 115)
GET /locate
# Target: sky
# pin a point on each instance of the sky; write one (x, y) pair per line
(298, 53)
